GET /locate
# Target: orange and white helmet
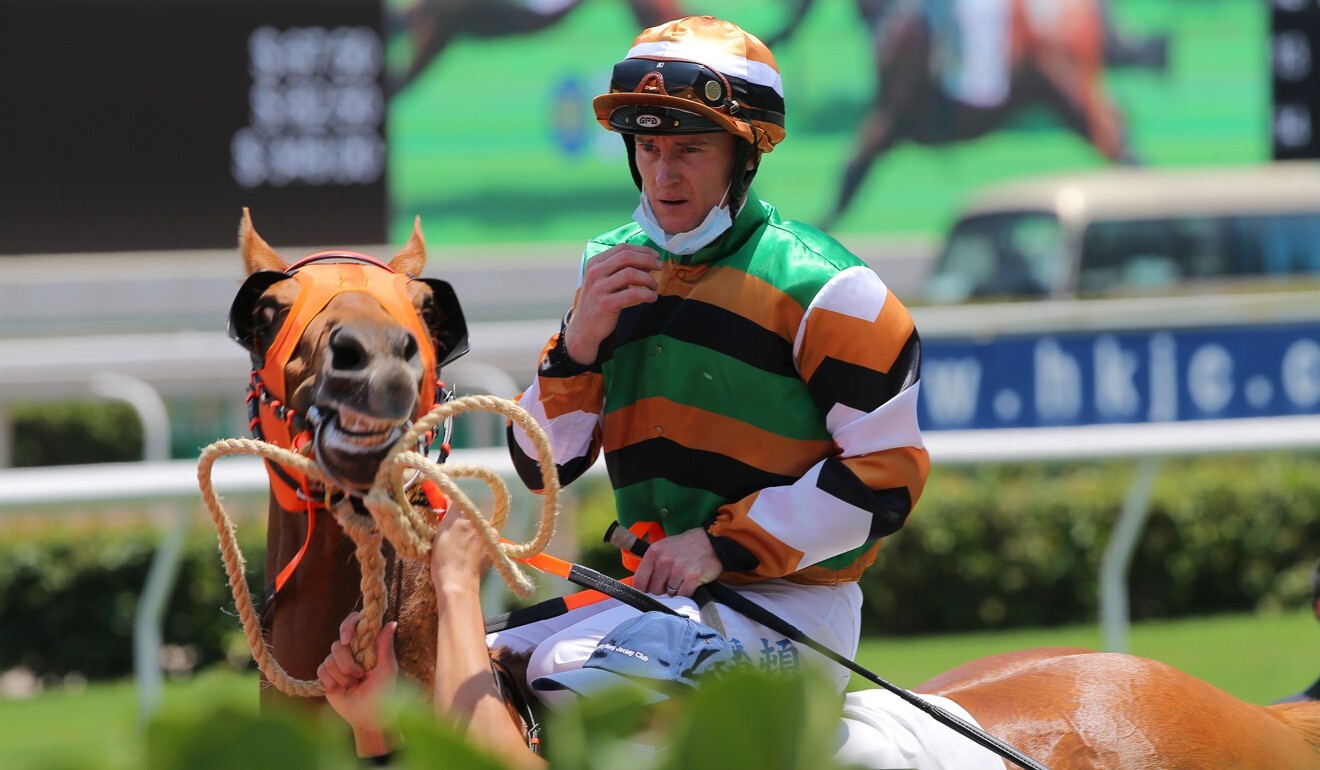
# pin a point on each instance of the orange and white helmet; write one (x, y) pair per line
(698, 74)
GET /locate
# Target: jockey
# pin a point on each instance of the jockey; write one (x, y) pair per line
(751, 384)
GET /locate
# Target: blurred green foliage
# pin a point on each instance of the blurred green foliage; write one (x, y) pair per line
(74, 433)
(747, 719)
(1011, 546)
(73, 593)
(993, 547)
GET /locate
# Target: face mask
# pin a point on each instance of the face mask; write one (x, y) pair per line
(714, 225)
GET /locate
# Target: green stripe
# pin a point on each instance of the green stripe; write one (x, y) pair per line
(844, 559)
(688, 508)
(712, 382)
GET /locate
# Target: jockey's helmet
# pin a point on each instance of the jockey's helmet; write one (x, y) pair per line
(697, 75)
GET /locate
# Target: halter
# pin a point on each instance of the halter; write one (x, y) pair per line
(273, 420)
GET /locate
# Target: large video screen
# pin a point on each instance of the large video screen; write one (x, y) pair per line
(149, 124)
(492, 138)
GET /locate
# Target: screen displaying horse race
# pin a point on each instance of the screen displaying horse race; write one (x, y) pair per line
(340, 121)
(896, 112)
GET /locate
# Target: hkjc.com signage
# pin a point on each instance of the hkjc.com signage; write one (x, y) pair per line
(1128, 377)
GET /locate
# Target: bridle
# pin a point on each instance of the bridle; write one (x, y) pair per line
(322, 277)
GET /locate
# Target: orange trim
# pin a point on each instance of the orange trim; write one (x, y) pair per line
(650, 531)
(289, 568)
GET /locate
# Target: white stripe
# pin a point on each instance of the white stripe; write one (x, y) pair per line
(804, 518)
(570, 434)
(857, 292)
(715, 58)
(892, 424)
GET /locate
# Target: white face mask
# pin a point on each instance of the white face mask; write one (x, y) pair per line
(712, 227)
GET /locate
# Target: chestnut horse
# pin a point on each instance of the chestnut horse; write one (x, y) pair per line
(1051, 53)
(1072, 708)
(346, 353)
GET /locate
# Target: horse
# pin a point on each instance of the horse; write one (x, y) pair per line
(1075, 708)
(430, 26)
(1030, 53)
(346, 351)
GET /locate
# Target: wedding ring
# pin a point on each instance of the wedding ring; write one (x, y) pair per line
(671, 590)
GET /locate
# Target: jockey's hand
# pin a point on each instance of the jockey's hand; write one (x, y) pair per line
(678, 564)
(354, 694)
(614, 279)
(458, 554)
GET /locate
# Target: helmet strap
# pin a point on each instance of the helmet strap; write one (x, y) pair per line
(741, 176)
(630, 142)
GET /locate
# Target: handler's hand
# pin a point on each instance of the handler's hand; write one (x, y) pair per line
(616, 278)
(354, 694)
(458, 553)
(678, 564)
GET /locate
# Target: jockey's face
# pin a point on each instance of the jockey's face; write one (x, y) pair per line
(684, 176)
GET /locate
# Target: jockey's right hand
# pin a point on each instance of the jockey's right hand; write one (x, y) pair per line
(614, 279)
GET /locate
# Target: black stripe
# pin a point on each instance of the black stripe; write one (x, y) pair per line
(862, 388)
(550, 608)
(763, 98)
(889, 508)
(529, 467)
(661, 458)
(706, 325)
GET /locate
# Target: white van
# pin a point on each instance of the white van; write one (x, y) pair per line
(1135, 231)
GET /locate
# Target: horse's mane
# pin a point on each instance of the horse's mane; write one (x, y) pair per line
(516, 664)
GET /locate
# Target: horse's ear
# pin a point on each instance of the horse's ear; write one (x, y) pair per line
(257, 254)
(411, 259)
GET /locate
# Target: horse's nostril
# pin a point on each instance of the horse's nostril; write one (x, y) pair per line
(346, 352)
(409, 347)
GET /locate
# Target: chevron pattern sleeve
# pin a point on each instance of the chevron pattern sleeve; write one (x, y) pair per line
(858, 352)
(565, 399)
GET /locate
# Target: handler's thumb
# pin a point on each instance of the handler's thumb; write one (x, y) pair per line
(385, 643)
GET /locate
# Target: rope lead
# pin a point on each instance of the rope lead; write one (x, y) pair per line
(394, 518)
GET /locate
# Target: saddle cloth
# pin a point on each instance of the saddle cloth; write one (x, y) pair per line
(881, 731)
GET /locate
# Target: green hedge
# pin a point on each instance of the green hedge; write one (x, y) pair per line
(991, 547)
(68, 598)
(1000, 546)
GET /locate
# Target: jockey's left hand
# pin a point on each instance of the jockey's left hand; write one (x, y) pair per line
(678, 565)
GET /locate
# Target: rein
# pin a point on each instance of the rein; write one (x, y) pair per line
(391, 516)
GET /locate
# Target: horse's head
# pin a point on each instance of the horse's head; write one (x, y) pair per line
(346, 352)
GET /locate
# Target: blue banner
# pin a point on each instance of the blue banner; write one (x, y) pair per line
(1120, 377)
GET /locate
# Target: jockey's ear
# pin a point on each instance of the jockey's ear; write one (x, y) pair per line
(411, 259)
(257, 254)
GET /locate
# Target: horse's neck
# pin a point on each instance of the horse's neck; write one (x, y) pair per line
(318, 593)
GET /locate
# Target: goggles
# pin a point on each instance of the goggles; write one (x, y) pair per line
(670, 77)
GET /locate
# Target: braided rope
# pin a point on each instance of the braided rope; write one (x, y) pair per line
(393, 517)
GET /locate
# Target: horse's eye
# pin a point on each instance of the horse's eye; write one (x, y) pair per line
(264, 318)
(428, 313)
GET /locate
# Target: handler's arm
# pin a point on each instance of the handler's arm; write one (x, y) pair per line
(465, 690)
